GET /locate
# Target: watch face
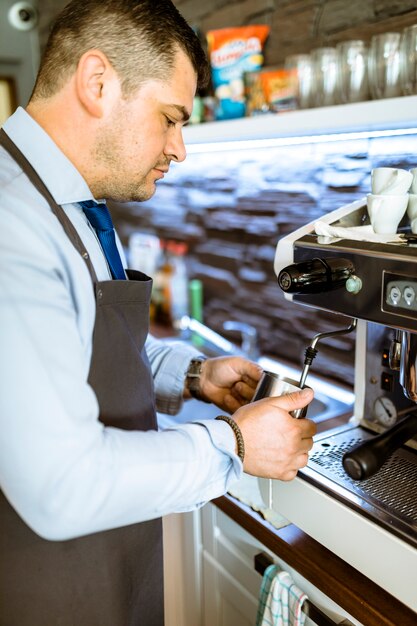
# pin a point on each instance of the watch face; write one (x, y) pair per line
(194, 369)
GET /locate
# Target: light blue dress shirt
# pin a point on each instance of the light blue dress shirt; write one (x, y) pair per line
(63, 471)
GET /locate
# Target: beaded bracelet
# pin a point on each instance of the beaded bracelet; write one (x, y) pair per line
(238, 435)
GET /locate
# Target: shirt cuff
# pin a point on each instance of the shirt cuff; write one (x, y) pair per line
(228, 468)
(223, 438)
(169, 380)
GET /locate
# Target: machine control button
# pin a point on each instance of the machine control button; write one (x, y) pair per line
(395, 295)
(353, 284)
(409, 295)
(385, 357)
(387, 381)
(400, 295)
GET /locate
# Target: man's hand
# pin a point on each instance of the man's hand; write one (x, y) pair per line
(229, 382)
(276, 444)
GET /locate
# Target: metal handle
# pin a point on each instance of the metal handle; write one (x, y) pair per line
(315, 275)
(263, 560)
(367, 457)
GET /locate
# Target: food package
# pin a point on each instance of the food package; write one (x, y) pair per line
(280, 89)
(254, 94)
(232, 52)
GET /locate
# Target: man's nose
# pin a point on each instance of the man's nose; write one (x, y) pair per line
(175, 147)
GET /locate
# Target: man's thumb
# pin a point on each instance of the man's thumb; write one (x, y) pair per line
(296, 399)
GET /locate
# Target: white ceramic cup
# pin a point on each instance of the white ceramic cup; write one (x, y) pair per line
(386, 212)
(412, 206)
(414, 226)
(390, 181)
(413, 188)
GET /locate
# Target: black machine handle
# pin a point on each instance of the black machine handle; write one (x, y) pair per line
(315, 276)
(367, 457)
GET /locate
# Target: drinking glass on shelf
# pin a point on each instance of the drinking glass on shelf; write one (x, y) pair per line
(303, 66)
(384, 66)
(324, 76)
(408, 60)
(352, 71)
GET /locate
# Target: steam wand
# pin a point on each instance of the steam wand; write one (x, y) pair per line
(311, 352)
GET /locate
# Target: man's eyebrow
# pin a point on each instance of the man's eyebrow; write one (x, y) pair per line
(185, 115)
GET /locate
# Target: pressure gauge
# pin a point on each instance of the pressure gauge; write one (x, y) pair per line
(385, 411)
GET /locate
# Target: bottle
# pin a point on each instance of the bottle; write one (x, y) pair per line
(144, 252)
(195, 292)
(179, 281)
(161, 290)
(196, 299)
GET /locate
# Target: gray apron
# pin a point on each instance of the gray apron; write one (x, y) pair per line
(111, 578)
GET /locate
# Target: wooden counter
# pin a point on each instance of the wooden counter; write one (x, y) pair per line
(356, 594)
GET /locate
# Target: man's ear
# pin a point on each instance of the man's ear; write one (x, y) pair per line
(94, 77)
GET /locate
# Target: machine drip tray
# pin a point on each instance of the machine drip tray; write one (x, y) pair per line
(389, 498)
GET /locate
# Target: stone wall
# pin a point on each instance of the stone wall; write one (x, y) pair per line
(296, 25)
(232, 208)
(300, 25)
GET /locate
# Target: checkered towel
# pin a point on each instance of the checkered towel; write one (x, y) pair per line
(280, 600)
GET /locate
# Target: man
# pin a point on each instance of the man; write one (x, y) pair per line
(85, 474)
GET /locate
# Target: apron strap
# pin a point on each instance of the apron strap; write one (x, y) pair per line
(59, 212)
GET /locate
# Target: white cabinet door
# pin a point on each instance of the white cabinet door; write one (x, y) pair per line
(182, 569)
(226, 602)
(230, 583)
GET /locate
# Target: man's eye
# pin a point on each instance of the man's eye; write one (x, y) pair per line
(170, 122)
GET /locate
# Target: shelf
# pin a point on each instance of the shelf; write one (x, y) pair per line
(373, 115)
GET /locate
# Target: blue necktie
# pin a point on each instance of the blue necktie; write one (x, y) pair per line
(99, 217)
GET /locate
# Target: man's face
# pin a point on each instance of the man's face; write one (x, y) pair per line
(143, 135)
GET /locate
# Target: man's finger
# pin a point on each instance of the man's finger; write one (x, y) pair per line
(251, 382)
(243, 390)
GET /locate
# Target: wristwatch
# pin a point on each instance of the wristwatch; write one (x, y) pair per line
(192, 377)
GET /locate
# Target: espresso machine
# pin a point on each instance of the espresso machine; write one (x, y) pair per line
(368, 464)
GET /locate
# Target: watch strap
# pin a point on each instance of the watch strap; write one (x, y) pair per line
(192, 378)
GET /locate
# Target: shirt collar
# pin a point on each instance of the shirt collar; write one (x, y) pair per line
(60, 176)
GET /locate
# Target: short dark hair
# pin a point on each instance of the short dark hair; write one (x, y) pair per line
(139, 37)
